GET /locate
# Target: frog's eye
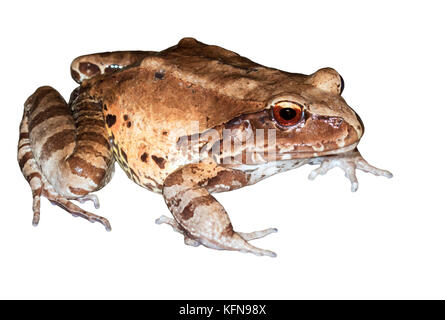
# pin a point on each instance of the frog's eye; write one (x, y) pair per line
(287, 113)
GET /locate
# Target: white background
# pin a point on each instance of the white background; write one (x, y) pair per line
(385, 241)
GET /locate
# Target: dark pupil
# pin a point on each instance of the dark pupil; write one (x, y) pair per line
(288, 113)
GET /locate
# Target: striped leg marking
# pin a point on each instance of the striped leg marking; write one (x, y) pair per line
(63, 153)
(30, 169)
(199, 216)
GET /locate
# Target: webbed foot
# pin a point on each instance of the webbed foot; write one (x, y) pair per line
(75, 211)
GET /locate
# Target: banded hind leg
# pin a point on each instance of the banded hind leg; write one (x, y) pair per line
(199, 216)
(91, 65)
(63, 151)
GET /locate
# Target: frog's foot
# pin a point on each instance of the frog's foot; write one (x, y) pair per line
(349, 162)
(56, 199)
(194, 243)
(41, 187)
(76, 211)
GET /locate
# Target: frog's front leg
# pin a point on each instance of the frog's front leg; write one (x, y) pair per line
(199, 216)
(349, 162)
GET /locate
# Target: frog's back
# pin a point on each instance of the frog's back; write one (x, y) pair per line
(195, 81)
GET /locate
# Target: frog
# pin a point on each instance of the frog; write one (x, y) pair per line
(185, 122)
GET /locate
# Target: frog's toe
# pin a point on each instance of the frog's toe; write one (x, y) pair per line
(325, 166)
(235, 241)
(346, 164)
(248, 248)
(176, 227)
(257, 234)
(350, 165)
(90, 197)
(363, 165)
(171, 222)
(349, 169)
(79, 212)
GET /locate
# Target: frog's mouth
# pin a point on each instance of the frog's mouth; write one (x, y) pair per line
(251, 157)
(314, 153)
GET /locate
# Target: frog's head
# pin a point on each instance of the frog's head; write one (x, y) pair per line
(312, 120)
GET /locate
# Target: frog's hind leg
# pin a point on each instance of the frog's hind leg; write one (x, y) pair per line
(91, 65)
(30, 169)
(199, 216)
(63, 151)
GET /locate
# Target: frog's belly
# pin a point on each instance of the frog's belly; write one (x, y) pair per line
(147, 164)
(147, 150)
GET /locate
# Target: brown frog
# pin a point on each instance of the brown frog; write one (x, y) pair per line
(185, 122)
